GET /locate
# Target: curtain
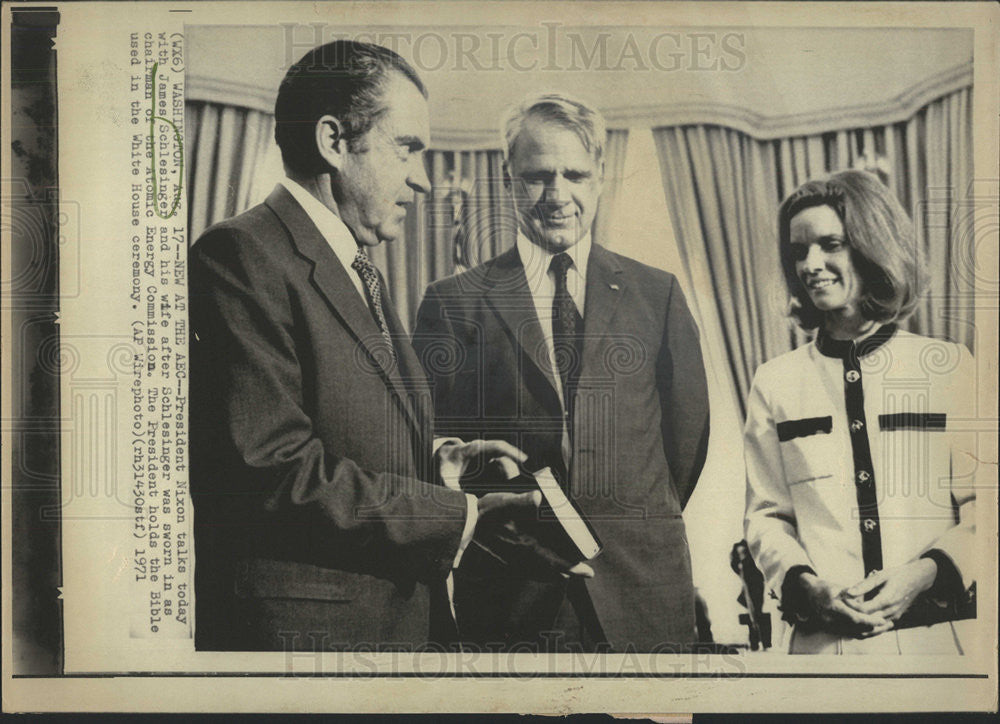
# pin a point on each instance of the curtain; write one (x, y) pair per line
(614, 168)
(723, 188)
(466, 219)
(226, 144)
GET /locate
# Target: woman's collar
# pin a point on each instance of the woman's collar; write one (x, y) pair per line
(843, 348)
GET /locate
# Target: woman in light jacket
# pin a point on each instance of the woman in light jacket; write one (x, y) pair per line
(860, 498)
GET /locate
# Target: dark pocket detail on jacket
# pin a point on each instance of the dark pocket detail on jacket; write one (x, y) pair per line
(913, 421)
(791, 429)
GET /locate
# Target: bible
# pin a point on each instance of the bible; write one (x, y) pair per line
(562, 526)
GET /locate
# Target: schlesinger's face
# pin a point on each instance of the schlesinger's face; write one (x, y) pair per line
(379, 176)
(823, 260)
(555, 182)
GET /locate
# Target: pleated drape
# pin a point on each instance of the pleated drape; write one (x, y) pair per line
(723, 188)
(225, 145)
(614, 168)
(466, 219)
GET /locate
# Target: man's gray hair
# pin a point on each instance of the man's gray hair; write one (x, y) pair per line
(561, 109)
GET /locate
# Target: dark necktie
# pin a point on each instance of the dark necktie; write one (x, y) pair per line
(567, 328)
(373, 288)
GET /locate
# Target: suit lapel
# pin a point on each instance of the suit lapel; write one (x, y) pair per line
(510, 298)
(605, 288)
(331, 281)
(408, 370)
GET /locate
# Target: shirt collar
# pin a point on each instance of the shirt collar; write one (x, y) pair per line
(536, 260)
(333, 229)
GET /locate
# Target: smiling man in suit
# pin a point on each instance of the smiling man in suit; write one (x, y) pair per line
(590, 363)
(320, 517)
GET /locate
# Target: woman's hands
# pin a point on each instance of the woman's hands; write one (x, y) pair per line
(830, 611)
(844, 611)
(896, 590)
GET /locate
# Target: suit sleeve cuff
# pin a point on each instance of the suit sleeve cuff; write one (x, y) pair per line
(471, 518)
(795, 606)
(947, 584)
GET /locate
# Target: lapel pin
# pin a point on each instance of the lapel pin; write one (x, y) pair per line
(614, 287)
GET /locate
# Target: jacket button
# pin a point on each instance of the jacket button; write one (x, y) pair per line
(857, 425)
(853, 375)
(864, 476)
(869, 525)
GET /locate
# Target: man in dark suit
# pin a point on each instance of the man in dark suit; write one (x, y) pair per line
(320, 522)
(590, 363)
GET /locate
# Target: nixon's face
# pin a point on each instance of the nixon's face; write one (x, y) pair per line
(555, 182)
(379, 177)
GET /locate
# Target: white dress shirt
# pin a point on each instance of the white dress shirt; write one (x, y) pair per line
(344, 245)
(335, 231)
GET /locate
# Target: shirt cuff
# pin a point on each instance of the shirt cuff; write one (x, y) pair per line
(441, 441)
(471, 518)
(450, 482)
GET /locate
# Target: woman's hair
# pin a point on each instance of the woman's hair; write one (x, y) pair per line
(881, 239)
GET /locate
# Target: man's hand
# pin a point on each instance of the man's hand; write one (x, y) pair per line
(830, 610)
(897, 588)
(502, 532)
(456, 458)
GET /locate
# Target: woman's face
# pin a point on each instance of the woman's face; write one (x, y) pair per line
(823, 260)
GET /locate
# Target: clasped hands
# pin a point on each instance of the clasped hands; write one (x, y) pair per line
(505, 523)
(844, 610)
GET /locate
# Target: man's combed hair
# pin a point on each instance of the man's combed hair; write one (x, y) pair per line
(561, 109)
(344, 79)
(881, 239)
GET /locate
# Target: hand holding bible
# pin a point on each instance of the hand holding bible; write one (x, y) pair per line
(504, 532)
